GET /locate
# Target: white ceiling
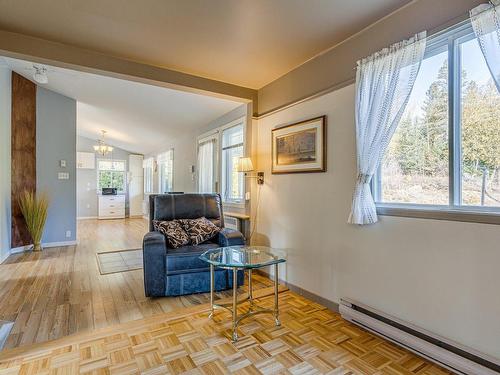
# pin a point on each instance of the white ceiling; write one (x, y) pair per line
(138, 117)
(245, 42)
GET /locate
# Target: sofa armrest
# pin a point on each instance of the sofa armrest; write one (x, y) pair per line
(230, 237)
(154, 249)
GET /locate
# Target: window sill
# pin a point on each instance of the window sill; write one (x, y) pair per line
(469, 215)
(234, 204)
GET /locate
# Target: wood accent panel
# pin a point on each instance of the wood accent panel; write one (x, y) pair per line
(23, 142)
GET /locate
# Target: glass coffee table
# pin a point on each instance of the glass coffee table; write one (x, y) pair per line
(237, 258)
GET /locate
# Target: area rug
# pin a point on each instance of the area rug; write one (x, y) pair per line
(119, 261)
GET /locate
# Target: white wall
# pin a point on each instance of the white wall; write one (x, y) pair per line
(5, 204)
(442, 276)
(185, 151)
(184, 156)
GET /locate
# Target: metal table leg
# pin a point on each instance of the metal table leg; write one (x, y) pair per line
(235, 304)
(254, 308)
(276, 307)
(212, 277)
(250, 291)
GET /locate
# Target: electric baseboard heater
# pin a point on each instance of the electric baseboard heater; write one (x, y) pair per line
(446, 353)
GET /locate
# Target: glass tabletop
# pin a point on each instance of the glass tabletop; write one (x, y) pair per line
(241, 257)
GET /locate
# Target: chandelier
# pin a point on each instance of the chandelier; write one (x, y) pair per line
(101, 147)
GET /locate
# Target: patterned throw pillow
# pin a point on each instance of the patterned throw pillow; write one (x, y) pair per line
(199, 230)
(173, 230)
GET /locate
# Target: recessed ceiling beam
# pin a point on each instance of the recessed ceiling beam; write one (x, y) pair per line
(65, 56)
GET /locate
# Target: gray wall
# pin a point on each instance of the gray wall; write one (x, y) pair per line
(86, 189)
(55, 141)
(5, 203)
(226, 118)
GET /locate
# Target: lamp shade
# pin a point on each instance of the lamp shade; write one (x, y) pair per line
(245, 165)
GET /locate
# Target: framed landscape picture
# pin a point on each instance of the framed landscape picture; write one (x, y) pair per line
(300, 147)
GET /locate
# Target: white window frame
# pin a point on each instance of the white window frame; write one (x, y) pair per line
(161, 158)
(450, 40)
(125, 185)
(213, 135)
(217, 133)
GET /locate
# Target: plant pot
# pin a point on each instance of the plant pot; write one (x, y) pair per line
(37, 247)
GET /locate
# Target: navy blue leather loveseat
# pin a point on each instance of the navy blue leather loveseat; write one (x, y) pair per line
(173, 272)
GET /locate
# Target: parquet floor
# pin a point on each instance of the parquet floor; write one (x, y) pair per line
(311, 340)
(60, 291)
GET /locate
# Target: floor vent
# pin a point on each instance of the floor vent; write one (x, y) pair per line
(453, 356)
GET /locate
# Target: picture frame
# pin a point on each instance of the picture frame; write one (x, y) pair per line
(299, 147)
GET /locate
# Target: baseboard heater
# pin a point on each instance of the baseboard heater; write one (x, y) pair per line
(455, 357)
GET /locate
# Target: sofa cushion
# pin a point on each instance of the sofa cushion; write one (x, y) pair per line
(174, 231)
(187, 258)
(199, 230)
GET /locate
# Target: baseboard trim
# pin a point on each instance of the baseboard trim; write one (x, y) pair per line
(20, 249)
(5, 256)
(62, 243)
(86, 217)
(334, 306)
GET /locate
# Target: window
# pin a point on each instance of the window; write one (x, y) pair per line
(232, 150)
(217, 167)
(480, 130)
(445, 152)
(148, 165)
(111, 174)
(207, 162)
(165, 171)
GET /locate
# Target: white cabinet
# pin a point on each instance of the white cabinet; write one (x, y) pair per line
(85, 160)
(136, 185)
(111, 206)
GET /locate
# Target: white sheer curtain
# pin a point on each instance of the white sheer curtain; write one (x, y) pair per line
(384, 82)
(206, 170)
(485, 20)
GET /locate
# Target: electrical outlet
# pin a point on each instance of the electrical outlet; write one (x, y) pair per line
(68, 234)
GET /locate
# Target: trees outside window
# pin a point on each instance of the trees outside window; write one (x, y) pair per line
(446, 151)
(111, 174)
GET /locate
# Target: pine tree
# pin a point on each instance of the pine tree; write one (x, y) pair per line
(434, 125)
(481, 128)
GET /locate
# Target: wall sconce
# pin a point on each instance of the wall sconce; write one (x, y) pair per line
(245, 165)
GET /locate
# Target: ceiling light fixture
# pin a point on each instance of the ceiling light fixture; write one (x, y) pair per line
(40, 74)
(101, 147)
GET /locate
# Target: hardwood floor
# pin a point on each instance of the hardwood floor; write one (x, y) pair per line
(60, 291)
(311, 340)
(70, 319)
